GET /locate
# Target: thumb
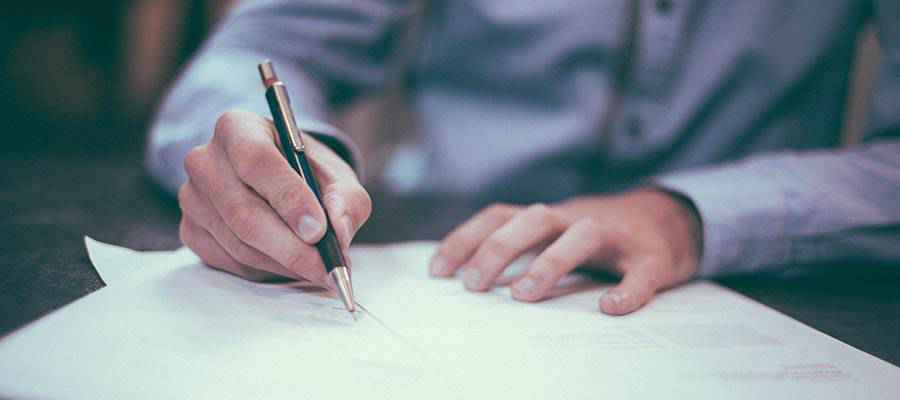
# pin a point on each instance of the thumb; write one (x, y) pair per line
(638, 286)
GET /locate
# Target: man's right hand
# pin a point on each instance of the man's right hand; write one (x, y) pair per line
(245, 211)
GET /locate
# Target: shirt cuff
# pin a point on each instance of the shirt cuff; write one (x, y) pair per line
(338, 142)
(743, 213)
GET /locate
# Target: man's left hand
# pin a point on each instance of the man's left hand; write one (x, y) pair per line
(647, 236)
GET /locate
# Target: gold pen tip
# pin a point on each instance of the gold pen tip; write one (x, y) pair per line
(341, 279)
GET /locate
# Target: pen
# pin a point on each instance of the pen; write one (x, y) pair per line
(293, 149)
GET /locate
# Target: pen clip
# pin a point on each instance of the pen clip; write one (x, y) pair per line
(287, 114)
(281, 109)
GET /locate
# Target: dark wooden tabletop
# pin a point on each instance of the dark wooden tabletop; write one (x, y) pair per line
(50, 202)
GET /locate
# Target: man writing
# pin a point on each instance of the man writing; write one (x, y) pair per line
(662, 139)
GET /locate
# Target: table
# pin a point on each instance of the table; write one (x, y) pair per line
(49, 202)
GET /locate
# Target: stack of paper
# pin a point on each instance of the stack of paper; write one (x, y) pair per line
(168, 327)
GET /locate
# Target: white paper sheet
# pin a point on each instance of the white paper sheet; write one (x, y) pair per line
(167, 327)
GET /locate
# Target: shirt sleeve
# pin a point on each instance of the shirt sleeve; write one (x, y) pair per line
(771, 211)
(327, 52)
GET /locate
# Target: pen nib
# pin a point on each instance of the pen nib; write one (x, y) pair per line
(341, 278)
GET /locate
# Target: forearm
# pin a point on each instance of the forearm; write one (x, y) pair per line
(791, 208)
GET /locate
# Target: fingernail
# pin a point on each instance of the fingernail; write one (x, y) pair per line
(524, 287)
(438, 266)
(472, 278)
(613, 301)
(308, 229)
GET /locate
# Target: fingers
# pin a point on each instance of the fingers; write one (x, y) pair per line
(592, 240)
(203, 244)
(258, 163)
(213, 255)
(527, 229)
(248, 142)
(200, 211)
(582, 241)
(248, 215)
(638, 286)
(245, 195)
(632, 233)
(463, 241)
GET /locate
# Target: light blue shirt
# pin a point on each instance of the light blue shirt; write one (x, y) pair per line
(737, 105)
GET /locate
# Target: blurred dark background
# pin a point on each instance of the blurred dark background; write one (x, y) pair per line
(86, 76)
(80, 82)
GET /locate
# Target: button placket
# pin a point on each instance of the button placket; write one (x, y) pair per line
(661, 29)
(664, 6)
(633, 126)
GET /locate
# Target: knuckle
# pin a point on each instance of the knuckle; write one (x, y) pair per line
(244, 254)
(235, 211)
(588, 228)
(455, 246)
(245, 229)
(496, 248)
(498, 209)
(549, 263)
(242, 221)
(542, 215)
(538, 277)
(554, 261)
(228, 122)
(196, 161)
(291, 199)
(250, 158)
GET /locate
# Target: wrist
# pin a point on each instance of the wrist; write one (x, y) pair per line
(683, 220)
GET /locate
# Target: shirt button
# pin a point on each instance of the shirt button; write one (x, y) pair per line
(664, 6)
(633, 127)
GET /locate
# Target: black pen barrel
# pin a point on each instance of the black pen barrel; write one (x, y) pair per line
(329, 246)
(290, 141)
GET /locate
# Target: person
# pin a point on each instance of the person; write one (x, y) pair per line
(664, 140)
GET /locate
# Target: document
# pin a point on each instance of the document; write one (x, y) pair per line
(168, 327)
